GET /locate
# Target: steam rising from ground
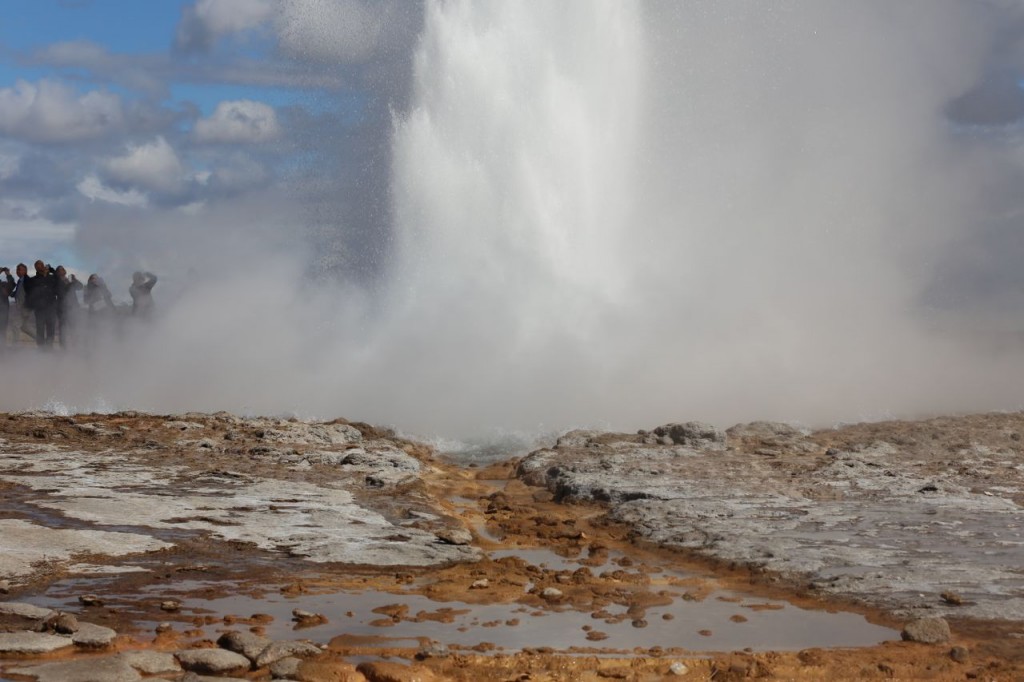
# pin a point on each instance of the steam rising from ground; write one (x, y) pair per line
(616, 214)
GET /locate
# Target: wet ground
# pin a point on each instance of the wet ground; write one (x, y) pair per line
(239, 524)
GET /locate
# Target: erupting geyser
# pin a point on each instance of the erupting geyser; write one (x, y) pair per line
(622, 212)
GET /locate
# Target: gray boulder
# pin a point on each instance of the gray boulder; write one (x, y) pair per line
(927, 631)
(212, 661)
(27, 611)
(110, 669)
(245, 643)
(286, 668)
(150, 662)
(31, 642)
(575, 439)
(93, 636)
(278, 650)
(698, 435)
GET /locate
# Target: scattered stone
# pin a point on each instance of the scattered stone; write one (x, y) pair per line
(151, 662)
(320, 670)
(678, 668)
(576, 439)
(433, 650)
(111, 669)
(93, 636)
(182, 425)
(481, 584)
(90, 600)
(206, 444)
(693, 435)
(927, 631)
(455, 536)
(170, 605)
(163, 627)
(551, 593)
(31, 642)
(28, 611)
(275, 651)
(286, 668)
(246, 643)
(308, 618)
(5, 586)
(62, 623)
(383, 671)
(952, 598)
(212, 661)
(959, 654)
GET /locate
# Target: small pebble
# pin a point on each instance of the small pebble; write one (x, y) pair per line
(678, 668)
(481, 584)
(170, 605)
(551, 593)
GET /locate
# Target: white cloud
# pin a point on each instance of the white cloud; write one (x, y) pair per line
(53, 112)
(241, 121)
(32, 237)
(153, 166)
(208, 20)
(93, 189)
(231, 16)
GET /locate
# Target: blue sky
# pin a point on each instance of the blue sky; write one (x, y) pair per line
(129, 111)
(122, 27)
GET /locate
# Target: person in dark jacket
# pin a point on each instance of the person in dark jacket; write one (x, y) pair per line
(7, 286)
(67, 305)
(41, 298)
(20, 297)
(141, 291)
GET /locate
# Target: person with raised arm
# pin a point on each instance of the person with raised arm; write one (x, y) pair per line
(141, 291)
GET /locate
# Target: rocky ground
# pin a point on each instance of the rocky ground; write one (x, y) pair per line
(195, 546)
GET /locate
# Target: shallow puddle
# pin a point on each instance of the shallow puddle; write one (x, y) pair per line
(721, 621)
(710, 625)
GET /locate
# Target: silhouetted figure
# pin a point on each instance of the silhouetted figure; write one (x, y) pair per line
(67, 305)
(20, 297)
(101, 315)
(142, 293)
(97, 297)
(41, 298)
(6, 292)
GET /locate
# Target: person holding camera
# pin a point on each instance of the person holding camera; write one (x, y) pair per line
(67, 304)
(41, 292)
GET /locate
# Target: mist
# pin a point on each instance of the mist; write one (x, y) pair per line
(607, 214)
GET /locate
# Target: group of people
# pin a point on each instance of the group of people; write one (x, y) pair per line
(50, 296)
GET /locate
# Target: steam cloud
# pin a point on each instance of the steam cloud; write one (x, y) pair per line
(610, 214)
